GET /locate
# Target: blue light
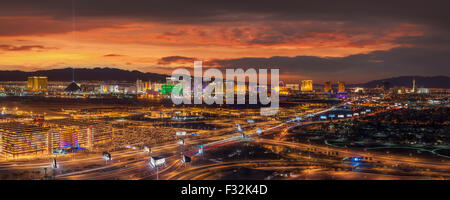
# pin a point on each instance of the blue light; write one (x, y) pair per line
(356, 159)
(355, 164)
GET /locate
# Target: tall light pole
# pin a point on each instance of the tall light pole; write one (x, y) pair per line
(157, 172)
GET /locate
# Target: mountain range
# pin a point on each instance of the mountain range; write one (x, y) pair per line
(114, 74)
(407, 81)
(83, 74)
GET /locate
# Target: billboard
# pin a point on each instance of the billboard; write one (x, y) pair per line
(59, 151)
(180, 133)
(107, 156)
(185, 159)
(157, 161)
(239, 127)
(200, 150)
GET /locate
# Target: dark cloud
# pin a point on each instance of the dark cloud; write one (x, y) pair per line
(175, 59)
(435, 39)
(355, 13)
(113, 55)
(356, 16)
(286, 21)
(6, 47)
(175, 33)
(220, 10)
(360, 67)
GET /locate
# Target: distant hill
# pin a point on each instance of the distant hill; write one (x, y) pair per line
(406, 81)
(114, 74)
(83, 74)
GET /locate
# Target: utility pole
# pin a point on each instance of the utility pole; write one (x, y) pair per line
(45, 173)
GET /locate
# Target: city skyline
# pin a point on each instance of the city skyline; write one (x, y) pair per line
(63, 74)
(352, 41)
(224, 90)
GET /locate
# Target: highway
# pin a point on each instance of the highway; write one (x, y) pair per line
(131, 164)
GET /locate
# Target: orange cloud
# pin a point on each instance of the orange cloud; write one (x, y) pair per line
(142, 44)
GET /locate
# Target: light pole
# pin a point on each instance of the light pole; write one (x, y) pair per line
(157, 172)
(45, 173)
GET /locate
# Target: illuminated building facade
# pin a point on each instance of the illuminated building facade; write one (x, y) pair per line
(341, 87)
(423, 91)
(138, 86)
(37, 83)
(143, 86)
(106, 89)
(327, 87)
(22, 139)
(90, 132)
(157, 86)
(293, 87)
(307, 86)
(283, 91)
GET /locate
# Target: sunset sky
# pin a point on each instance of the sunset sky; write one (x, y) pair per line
(353, 41)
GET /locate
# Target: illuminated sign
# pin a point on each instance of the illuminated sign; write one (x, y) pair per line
(59, 151)
(156, 162)
(107, 156)
(239, 127)
(167, 89)
(180, 133)
(185, 159)
(200, 150)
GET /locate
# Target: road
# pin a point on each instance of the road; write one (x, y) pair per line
(133, 164)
